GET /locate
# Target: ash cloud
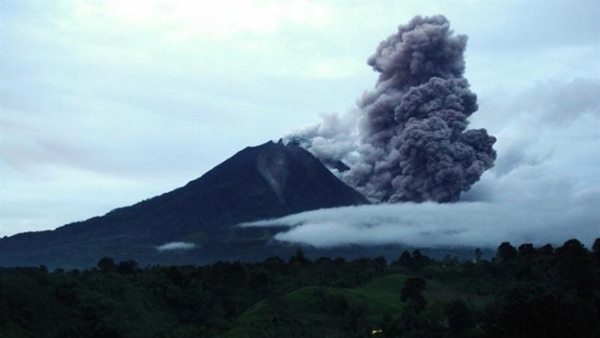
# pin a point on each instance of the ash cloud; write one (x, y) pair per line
(408, 140)
(545, 187)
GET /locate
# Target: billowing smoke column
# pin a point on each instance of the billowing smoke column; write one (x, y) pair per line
(410, 140)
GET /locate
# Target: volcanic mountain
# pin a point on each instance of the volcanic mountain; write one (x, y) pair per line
(266, 181)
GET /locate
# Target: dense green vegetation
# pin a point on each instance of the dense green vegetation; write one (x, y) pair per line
(522, 292)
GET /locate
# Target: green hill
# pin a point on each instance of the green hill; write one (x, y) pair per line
(312, 310)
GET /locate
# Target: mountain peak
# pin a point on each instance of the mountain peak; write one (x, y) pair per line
(295, 178)
(265, 181)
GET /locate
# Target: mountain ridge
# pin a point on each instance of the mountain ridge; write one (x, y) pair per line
(265, 181)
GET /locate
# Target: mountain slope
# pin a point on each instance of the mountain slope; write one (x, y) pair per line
(266, 181)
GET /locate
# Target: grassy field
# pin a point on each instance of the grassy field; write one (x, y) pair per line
(305, 305)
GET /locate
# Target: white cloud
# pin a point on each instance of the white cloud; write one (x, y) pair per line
(176, 246)
(475, 224)
(185, 19)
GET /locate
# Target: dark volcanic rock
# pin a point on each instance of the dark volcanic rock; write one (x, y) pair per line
(267, 181)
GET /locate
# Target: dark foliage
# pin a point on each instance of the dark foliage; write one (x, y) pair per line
(412, 292)
(459, 317)
(506, 252)
(529, 292)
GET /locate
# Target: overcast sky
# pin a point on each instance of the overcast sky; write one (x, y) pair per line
(103, 104)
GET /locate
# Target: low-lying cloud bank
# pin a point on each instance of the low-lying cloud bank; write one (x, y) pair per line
(472, 224)
(176, 246)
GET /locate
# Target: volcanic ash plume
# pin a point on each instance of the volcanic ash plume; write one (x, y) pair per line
(409, 139)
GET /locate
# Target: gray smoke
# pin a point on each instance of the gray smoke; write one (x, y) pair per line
(410, 140)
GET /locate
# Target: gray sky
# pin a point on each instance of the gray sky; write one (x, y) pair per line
(103, 104)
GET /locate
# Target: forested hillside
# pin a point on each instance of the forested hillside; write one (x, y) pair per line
(524, 291)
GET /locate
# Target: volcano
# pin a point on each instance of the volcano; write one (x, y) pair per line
(267, 181)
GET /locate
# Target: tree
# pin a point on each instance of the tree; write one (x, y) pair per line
(298, 257)
(575, 267)
(546, 250)
(478, 255)
(459, 316)
(356, 320)
(572, 247)
(380, 263)
(405, 260)
(412, 291)
(127, 267)
(596, 251)
(257, 279)
(106, 264)
(419, 259)
(526, 249)
(506, 252)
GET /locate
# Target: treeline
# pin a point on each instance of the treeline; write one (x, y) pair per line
(534, 292)
(524, 291)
